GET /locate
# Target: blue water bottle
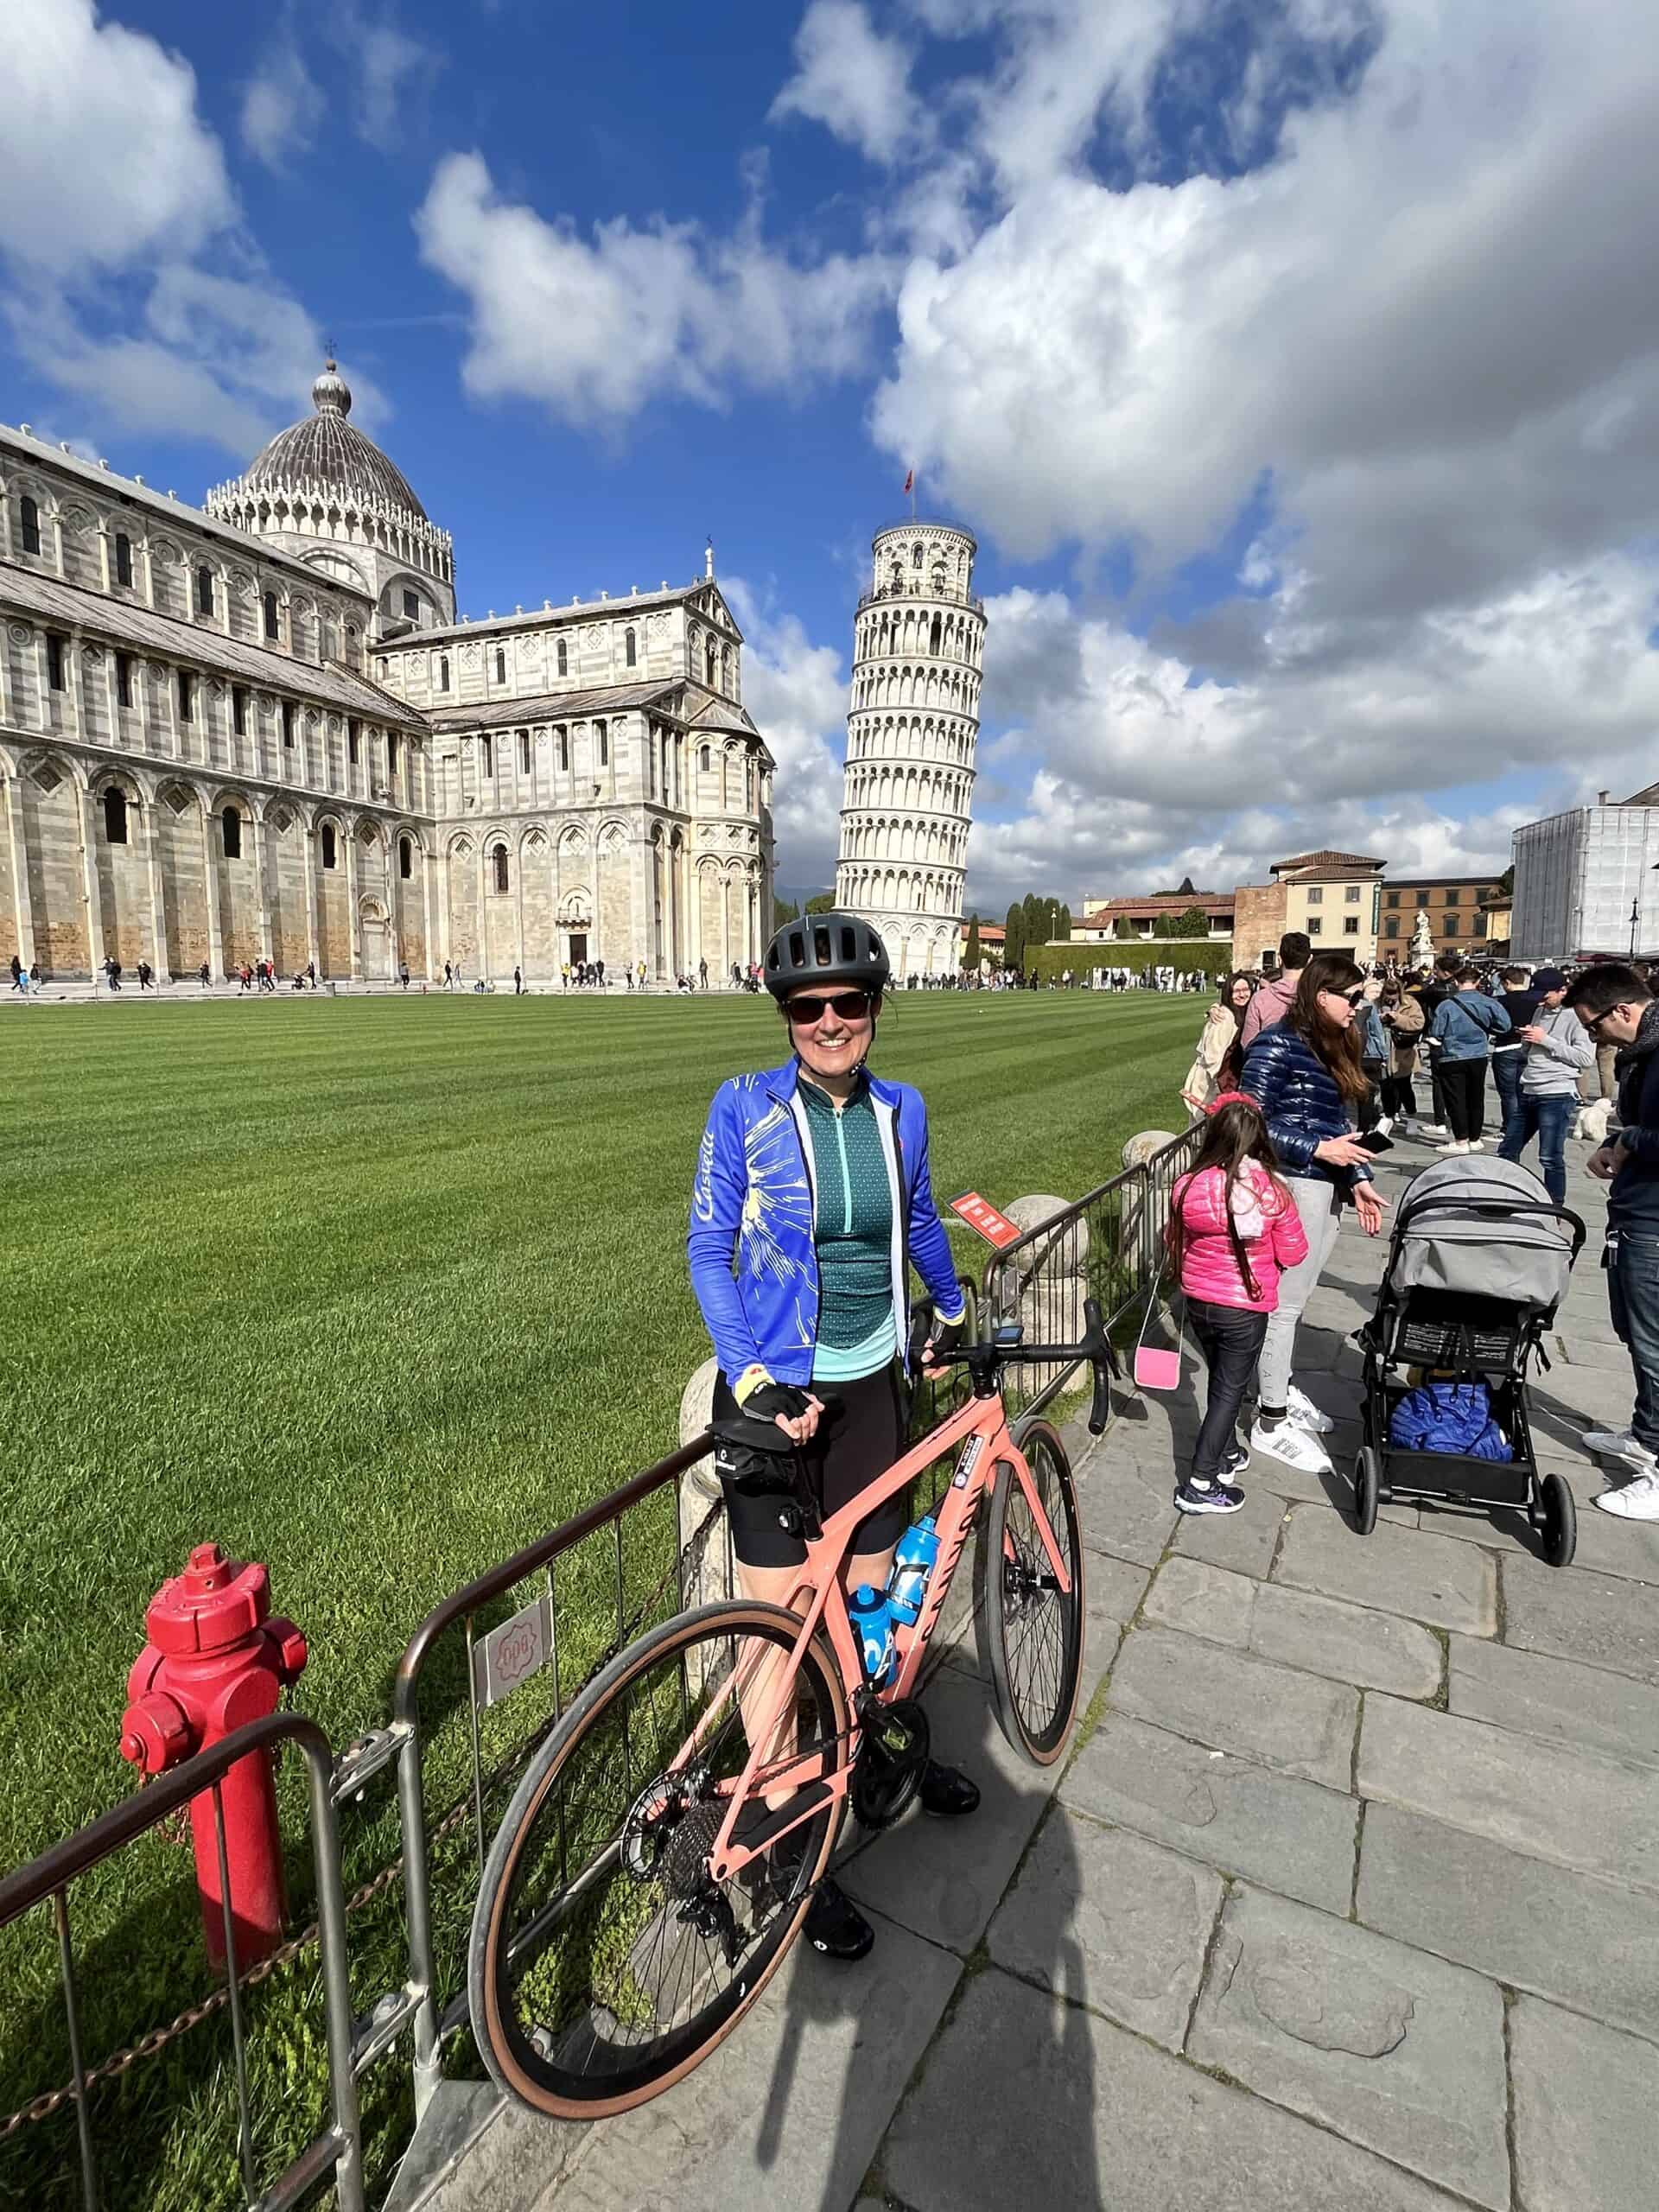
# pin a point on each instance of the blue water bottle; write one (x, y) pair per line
(912, 1563)
(871, 1617)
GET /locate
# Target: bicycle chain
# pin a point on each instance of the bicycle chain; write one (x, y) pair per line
(174, 1830)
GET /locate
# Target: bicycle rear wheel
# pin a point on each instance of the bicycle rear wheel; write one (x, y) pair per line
(605, 1962)
(1030, 1629)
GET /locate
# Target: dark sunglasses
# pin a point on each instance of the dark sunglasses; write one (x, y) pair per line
(806, 1013)
(1592, 1021)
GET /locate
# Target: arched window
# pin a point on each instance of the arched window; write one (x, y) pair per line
(500, 858)
(123, 558)
(726, 668)
(564, 658)
(712, 663)
(938, 577)
(602, 745)
(272, 628)
(231, 833)
(204, 590)
(486, 752)
(115, 816)
(935, 634)
(564, 750)
(702, 759)
(391, 752)
(405, 859)
(524, 751)
(31, 523)
(630, 649)
(915, 556)
(444, 671)
(330, 846)
(500, 666)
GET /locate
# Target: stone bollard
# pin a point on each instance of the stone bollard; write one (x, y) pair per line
(708, 1570)
(1050, 1278)
(1142, 1226)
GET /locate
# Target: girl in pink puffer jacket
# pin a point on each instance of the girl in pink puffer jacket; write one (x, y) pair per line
(1233, 1228)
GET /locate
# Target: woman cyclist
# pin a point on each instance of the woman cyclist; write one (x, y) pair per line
(811, 1199)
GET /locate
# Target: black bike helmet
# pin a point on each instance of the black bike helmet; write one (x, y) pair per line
(827, 949)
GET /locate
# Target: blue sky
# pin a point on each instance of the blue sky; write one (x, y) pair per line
(1296, 361)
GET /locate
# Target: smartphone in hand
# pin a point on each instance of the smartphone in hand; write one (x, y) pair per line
(1377, 1140)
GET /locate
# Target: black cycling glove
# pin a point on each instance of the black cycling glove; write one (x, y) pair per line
(943, 1338)
(767, 1400)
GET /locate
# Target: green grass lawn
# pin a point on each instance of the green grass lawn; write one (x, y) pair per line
(376, 1291)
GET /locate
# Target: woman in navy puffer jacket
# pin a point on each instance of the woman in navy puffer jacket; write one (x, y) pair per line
(1304, 1073)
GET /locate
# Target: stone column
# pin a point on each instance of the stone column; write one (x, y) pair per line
(308, 848)
(262, 880)
(210, 875)
(89, 884)
(157, 905)
(353, 930)
(483, 910)
(24, 906)
(517, 866)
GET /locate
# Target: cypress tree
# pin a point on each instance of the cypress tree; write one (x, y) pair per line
(970, 952)
(1013, 949)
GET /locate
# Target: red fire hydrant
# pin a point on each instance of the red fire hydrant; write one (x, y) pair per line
(214, 1662)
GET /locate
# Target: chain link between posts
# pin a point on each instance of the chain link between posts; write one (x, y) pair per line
(174, 1829)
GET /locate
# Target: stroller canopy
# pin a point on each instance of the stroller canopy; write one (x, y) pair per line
(1477, 1237)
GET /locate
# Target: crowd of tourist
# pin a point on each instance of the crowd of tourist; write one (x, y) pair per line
(1302, 1073)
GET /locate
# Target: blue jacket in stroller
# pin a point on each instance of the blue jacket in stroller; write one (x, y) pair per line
(1449, 1417)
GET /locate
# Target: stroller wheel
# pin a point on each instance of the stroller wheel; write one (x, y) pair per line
(1367, 1482)
(1560, 1531)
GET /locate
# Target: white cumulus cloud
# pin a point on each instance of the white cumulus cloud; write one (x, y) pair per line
(282, 105)
(796, 694)
(597, 325)
(852, 79)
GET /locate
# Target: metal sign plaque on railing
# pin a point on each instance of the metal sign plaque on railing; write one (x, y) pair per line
(512, 1653)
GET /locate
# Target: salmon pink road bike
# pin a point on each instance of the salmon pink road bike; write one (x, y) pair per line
(663, 1846)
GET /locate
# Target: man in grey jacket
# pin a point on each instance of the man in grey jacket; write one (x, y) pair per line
(1557, 1045)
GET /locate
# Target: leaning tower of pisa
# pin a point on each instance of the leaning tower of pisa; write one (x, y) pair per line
(912, 726)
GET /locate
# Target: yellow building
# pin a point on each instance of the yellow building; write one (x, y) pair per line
(1332, 897)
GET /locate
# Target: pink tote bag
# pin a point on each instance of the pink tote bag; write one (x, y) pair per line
(1157, 1367)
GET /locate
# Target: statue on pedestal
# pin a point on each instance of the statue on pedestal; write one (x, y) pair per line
(1422, 942)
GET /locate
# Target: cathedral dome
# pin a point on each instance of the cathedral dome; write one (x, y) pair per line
(325, 449)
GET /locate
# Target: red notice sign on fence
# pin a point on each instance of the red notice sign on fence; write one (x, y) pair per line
(979, 1213)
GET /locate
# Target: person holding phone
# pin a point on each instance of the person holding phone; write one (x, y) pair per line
(1304, 1073)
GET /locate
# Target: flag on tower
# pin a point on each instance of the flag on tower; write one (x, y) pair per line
(910, 482)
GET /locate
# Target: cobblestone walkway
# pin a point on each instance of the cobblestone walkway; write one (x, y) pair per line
(1349, 1897)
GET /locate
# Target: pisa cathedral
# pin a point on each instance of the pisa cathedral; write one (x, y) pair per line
(913, 724)
(257, 730)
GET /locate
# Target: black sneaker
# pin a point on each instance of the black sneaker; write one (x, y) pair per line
(1238, 1459)
(835, 1925)
(946, 1792)
(1207, 1497)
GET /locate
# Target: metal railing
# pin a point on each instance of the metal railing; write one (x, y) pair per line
(622, 1559)
(1107, 1247)
(337, 2153)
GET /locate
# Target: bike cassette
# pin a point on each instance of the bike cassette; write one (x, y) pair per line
(670, 1832)
(892, 1753)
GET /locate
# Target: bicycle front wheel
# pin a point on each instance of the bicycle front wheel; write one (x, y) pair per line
(1030, 1630)
(605, 1961)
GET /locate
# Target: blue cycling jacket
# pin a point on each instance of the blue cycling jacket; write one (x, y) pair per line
(754, 1266)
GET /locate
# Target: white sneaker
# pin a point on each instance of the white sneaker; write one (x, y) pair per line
(1294, 1446)
(1476, 1144)
(1637, 1500)
(1454, 1150)
(1619, 1444)
(1305, 1415)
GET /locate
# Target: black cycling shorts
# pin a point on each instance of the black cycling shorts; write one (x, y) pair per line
(853, 1446)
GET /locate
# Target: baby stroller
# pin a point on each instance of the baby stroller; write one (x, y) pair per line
(1477, 1264)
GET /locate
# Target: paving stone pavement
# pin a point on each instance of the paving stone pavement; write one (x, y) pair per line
(1346, 1896)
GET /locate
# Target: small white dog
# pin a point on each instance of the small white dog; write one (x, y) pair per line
(1591, 1126)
